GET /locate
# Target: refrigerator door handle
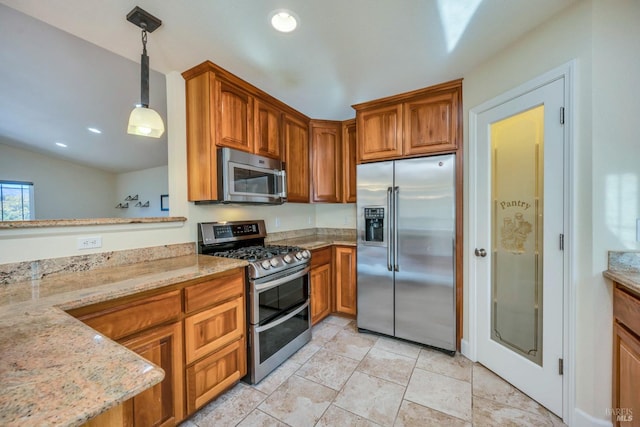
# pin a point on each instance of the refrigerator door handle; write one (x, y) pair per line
(396, 197)
(389, 228)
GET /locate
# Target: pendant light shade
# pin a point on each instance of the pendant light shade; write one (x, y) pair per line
(143, 120)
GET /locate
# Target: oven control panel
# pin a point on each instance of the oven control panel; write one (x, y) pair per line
(225, 231)
(212, 233)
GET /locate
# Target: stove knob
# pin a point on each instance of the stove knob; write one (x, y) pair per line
(288, 259)
(306, 254)
(274, 262)
(299, 255)
(265, 264)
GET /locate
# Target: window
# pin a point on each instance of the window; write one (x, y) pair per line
(16, 201)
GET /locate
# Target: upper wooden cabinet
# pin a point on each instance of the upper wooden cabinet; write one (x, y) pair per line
(234, 116)
(349, 154)
(379, 132)
(296, 157)
(411, 124)
(225, 111)
(268, 129)
(326, 161)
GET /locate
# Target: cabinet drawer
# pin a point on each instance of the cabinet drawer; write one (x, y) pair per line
(626, 309)
(213, 291)
(126, 319)
(207, 331)
(211, 376)
(321, 257)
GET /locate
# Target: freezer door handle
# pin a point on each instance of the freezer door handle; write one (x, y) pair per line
(396, 197)
(389, 227)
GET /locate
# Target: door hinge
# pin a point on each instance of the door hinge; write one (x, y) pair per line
(562, 242)
(560, 367)
(561, 115)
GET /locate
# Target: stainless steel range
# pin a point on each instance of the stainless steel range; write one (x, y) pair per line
(278, 311)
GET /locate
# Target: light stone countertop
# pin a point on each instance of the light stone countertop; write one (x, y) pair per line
(55, 370)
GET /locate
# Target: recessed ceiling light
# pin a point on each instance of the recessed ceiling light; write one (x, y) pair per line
(94, 130)
(284, 21)
(61, 144)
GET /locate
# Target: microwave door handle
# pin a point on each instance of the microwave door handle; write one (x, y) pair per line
(283, 183)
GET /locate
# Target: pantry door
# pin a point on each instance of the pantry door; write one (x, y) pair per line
(518, 255)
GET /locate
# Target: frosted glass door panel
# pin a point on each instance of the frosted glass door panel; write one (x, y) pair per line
(517, 145)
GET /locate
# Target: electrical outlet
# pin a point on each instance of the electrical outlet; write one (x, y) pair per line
(89, 242)
(309, 220)
(638, 229)
(277, 222)
(346, 220)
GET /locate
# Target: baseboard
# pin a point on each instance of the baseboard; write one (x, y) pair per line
(582, 419)
(466, 350)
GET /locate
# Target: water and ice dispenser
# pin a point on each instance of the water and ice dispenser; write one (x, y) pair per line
(374, 224)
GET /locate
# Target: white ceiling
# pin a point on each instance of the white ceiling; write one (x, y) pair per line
(343, 52)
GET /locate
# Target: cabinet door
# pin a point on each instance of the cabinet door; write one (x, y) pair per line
(344, 265)
(209, 330)
(326, 161)
(296, 157)
(211, 376)
(235, 117)
(349, 149)
(431, 124)
(320, 293)
(379, 133)
(626, 372)
(268, 129)
(162, 404)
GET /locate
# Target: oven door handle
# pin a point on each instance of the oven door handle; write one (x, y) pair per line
(282, 319)
(273, 283)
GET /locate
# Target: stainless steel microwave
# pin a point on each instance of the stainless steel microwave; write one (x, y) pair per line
(248, 178)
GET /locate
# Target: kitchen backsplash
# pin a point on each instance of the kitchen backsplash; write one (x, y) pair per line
(33, 270)
(624, 261)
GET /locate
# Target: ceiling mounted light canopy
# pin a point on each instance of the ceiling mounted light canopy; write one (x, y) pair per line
(284, 21)
(143, 120)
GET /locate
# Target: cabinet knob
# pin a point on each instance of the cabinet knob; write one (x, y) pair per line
(481, 253)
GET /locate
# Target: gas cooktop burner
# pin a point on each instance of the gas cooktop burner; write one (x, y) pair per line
(258, 253)
(245, 240)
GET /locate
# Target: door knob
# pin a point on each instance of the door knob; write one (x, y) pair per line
(481, 253)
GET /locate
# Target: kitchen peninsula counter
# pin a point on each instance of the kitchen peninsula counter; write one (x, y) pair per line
(54, 369)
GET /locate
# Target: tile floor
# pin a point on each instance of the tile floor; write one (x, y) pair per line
(345, 378)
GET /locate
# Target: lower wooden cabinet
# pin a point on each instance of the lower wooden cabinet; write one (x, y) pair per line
(321, 284)
(626, 359)
(199, 363)
(209, 377)
(162, 404)
(215, 340)
(344, 265)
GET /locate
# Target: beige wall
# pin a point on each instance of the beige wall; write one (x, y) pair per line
(602, 37)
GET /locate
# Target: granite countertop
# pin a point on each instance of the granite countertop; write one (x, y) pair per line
(624, 268)
(54, 369)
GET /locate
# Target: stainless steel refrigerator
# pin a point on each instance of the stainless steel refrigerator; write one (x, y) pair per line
(406, 221)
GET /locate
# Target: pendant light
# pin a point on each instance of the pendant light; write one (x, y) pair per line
(143, 120)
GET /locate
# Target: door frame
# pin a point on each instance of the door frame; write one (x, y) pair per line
(469, 346)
